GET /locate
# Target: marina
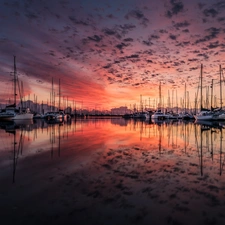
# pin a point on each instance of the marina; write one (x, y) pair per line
(112, 112)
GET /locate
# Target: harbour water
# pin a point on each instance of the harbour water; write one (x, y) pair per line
(112, 171)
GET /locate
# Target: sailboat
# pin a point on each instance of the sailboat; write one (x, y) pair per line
(159, 115)
(10, 112)
(142, 114)
(204, 114)
(220, 114)
(55, 115)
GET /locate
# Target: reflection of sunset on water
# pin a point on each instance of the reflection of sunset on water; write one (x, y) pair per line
(85, 136)
(113, 166)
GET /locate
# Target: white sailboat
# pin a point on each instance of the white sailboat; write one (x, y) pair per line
(204, 114)
(55, 115)
(220, 114)
(10, 111)
(158, 114)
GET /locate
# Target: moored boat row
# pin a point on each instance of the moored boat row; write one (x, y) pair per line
(160, 115)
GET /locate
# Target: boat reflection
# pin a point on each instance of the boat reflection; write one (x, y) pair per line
(16, 124)
(55, 133)
(209, 142)
(8, 126)
(16, 129)
(210, 124)
(19, 130)
(104, 163)
(197, 143)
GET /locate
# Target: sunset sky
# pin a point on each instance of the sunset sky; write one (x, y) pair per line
(109, 53)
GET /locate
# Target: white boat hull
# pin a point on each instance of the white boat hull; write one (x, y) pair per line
(203, 118)
(220, 117)
(206, 117)
(23, 116)
(159, 116)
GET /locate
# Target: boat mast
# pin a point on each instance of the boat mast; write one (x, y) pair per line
(185, 98)
(195, 103)
(201, 87)
(52, 97)
(172, 100)
(14, 80)
(220, 89)
(176, 101)
(59, 94)
(188, 103)
(160, 100)
(212, 96)
(42, 108)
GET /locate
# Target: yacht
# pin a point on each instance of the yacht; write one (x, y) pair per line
(205, 115)
(6, 115)
(141, 115)
(159, 115)
(60, 115)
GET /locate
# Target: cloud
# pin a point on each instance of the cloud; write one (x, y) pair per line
(210, 12)
(212, 34)
(121, 46)
(215, 44)
(181, 24)
(127, 27)
(128, 39)
(148, 42)
(204, 55)
(214, 10)
(176, 7)
(139, 15)
(172, 37)
(31, 16)
(95, 38)
(185, 31)
(221, 19)
(86, 22)
(132, 56)
(107, 66)
(112, 32)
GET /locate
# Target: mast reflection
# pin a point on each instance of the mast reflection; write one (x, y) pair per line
(17, 129)
(210, 143)
(196, 146)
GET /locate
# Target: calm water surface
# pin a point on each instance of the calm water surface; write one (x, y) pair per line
(112, 171)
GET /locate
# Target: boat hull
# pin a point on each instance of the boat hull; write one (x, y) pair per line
(23, 116)
(209, 117)
(220, 117)
(6, 117)
(160, 116)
